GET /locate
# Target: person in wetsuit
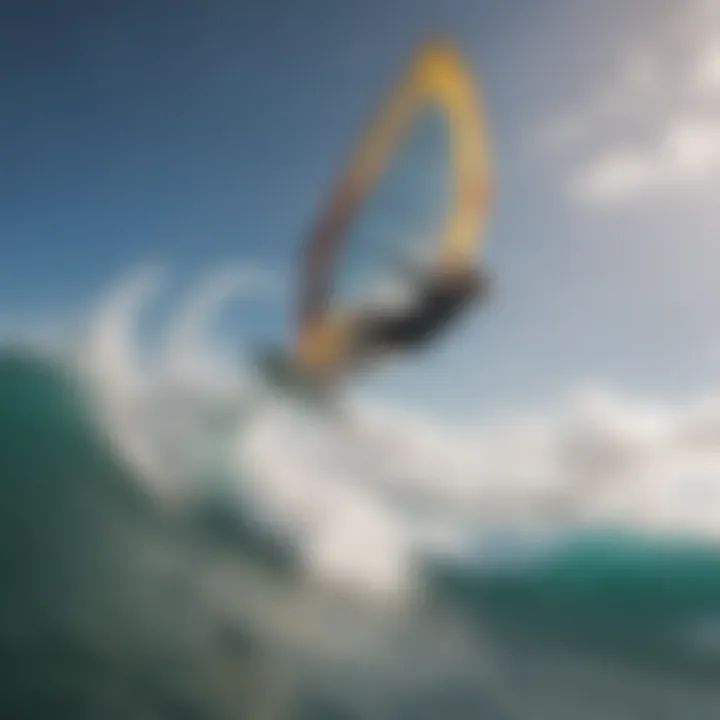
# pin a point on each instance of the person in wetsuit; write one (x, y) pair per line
(442, 297)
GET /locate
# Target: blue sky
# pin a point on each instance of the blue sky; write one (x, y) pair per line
(201, 133)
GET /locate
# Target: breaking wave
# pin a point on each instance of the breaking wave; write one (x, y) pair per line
(178, 543)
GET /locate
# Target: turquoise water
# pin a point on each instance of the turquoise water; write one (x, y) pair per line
(113, 606)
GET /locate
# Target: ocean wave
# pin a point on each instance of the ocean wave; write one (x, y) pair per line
(179, 543)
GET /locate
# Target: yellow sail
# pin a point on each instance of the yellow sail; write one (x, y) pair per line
(437, 78)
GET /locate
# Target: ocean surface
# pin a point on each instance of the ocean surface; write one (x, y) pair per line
(175, 544)
(117, 603)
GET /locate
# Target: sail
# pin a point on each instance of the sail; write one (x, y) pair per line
(414, 194)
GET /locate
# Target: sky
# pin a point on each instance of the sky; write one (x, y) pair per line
(198, 135)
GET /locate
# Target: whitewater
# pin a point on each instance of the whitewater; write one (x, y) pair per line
(180, 542)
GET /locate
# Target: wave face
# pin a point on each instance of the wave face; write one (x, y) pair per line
(115, 604)
(177, 545)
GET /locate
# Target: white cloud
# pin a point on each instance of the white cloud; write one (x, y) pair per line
(654, 127)
(691, 147)
(706, 70)
(618, 175)
(637, 86)
(687, 154)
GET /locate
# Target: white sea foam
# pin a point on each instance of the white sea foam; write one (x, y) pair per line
(362, 501)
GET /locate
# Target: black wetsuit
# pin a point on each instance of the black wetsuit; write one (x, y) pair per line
(437, 306)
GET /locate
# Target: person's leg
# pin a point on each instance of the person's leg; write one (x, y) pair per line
(389, 332)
